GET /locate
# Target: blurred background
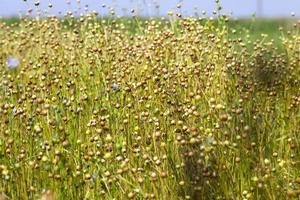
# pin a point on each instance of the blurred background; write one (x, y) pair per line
(236, 8)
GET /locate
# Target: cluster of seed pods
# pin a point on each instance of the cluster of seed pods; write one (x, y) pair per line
(147, 109)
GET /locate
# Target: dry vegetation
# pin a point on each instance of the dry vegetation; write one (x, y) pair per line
(178, 110)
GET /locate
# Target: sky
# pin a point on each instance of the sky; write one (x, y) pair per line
(237, 8)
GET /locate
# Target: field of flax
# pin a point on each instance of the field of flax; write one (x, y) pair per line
(148, 109)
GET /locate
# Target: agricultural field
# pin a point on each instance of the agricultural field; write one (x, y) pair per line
(132, 108)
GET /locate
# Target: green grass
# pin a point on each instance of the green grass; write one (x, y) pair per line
(255, 27)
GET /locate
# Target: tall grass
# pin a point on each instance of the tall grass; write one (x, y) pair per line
(179, 109)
